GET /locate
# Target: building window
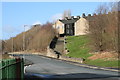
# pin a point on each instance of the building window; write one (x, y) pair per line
(67, 26)
(67, 31)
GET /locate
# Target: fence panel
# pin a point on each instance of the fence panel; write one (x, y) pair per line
(12, 69)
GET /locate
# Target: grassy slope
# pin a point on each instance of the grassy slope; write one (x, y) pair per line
(78, 47)
(102, 63)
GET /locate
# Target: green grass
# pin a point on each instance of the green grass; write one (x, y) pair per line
(78, 47)
(102, 63)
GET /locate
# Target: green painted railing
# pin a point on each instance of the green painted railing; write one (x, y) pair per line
(12, 69)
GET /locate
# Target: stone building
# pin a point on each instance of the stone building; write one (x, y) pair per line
(72, 26)
(81, 26)
(59, 26)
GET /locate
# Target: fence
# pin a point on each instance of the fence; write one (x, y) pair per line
(12, 69)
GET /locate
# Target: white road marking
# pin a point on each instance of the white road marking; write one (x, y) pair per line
(26, 67)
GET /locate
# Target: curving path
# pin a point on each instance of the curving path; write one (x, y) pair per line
(52, 68)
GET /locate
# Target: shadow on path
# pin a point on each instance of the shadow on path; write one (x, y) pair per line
(53, 43)
(72, 76)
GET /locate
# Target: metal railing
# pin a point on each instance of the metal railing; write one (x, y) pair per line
(12, 69)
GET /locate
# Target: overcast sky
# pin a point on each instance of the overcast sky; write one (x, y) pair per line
(17, 14)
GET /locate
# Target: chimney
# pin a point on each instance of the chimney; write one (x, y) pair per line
(66, 18)
(94, 14)
(78, 17)
(83, 15)
(72, 17)
(89, 15)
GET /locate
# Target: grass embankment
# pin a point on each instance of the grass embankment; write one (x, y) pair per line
(78, 47)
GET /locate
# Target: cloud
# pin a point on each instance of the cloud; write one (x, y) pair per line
(10, 31)
(56, 16)
(37, 22)
(27, 28)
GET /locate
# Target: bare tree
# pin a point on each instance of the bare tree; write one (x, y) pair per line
(43, 37)
(37, 38)
(67, 13)
(2, 46)
(103, 29)
(119, 28)
(98, 27)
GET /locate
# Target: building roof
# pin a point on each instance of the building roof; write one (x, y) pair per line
(67, 21)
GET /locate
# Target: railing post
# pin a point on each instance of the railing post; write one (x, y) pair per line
(12, 69)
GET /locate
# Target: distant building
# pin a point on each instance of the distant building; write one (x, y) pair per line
(59, 26)
(72, 26)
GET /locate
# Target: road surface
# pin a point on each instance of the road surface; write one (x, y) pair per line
(52, 68)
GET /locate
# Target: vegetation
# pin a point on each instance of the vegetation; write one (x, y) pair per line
(103, 63)
(103, 28)
(2, 45)
(79, 47)
(103, 37)
(35, 39)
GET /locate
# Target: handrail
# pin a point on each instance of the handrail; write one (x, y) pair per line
(10, 64)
